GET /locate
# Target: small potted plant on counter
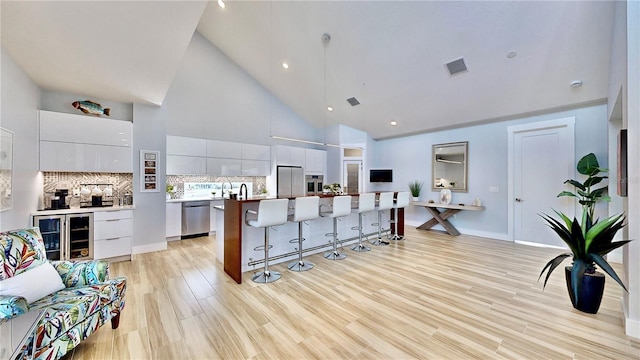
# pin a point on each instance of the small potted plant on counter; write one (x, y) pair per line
(415, 187)
(170, 190)
(588, 240)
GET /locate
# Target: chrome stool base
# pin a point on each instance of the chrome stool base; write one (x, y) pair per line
(360, 248)
(264, 277)
(380, 242)
(335, 255)
(300, 266)
(396, 237)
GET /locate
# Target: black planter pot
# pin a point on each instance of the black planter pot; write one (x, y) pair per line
(590, 295)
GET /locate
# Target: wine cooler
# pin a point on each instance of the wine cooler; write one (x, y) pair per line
(67, 237)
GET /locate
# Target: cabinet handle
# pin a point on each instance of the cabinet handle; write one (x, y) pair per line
(110, 239)
(112, 220)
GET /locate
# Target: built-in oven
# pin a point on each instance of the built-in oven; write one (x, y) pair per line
(314, 184)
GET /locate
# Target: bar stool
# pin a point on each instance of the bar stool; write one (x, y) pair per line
(366, 203)
(270, 213)
(402, 201)
(341, 207)
(306, 208)
(385, 202)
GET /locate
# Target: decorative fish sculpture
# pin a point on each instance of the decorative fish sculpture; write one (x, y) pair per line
(90, 107)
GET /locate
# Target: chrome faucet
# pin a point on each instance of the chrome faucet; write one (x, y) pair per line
(246, 195)
(230, 187)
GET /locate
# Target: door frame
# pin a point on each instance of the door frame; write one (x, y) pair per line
(568, 122)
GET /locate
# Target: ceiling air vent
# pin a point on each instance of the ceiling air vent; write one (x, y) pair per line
(353, 101)
(456, 66)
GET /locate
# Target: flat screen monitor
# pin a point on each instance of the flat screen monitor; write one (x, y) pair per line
(381, 175)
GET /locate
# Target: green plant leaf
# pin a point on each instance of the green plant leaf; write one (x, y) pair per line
(552, 265)
(604, 265)
(577, 273)
(588, 164)
(576, 184)
(593, 180)
(599, 229)
(567, 193)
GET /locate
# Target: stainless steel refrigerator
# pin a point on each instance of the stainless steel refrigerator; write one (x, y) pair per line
(290, 181)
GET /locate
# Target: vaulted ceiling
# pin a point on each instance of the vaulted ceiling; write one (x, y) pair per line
(390, 55)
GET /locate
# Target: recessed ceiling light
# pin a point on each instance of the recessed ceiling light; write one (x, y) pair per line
(221, 4)
(393, 123)
(511, 54)
(285, 65)
(329, 108)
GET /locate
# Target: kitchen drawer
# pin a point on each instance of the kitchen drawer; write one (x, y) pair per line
(112, 247)
(111, 215)
(112, 228)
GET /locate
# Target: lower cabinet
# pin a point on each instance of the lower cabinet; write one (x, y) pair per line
(112, 233)
(174, 219)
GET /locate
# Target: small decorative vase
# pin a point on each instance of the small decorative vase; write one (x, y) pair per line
(415, 198)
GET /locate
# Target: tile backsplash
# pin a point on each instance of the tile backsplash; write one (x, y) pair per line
(259, 182)
(122, 183)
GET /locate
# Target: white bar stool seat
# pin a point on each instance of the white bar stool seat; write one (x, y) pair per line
(366, 203)
(385, 202)
(270, 213)
(341, 207)
(306, 208)
(402, 201)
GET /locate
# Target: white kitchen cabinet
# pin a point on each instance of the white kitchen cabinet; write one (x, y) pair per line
(224, 149)
(213, 214)
(70, 157)
(186, 146)
(256, 168)
(71, 142)
(112, 233)
(315, 161)
(289, 155)
(174, 219)
(256, 152)
(224, 167)
(186, 165)
(70, 128)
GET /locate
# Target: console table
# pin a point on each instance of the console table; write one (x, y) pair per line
(440, 217)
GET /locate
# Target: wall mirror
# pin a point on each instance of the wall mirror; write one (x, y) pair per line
(449, 166)
(6, 169)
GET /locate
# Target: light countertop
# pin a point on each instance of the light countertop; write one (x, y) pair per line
(82, 210)
(206, 198)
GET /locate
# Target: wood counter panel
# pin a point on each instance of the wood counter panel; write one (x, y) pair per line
(233, 239)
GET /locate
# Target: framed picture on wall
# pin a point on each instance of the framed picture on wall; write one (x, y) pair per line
(149, 170)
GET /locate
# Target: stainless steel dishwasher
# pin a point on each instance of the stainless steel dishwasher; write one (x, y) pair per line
(195, 218)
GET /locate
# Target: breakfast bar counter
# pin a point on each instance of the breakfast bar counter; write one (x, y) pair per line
(240, 239)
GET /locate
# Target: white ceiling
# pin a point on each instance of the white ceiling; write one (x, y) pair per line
(389, 55)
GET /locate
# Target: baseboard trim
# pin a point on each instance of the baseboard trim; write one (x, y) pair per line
(631, 327)
(470, 232)
(149, 248)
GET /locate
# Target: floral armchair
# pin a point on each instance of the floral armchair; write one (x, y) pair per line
(82, 301)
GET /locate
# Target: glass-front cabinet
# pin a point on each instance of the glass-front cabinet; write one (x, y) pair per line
(67, 237)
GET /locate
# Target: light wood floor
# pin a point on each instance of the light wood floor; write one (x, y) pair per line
(430, 296)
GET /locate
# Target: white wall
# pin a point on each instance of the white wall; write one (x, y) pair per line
(61, 102)
(212, 97)
(410, 159)
(19, 105)
(149, 133)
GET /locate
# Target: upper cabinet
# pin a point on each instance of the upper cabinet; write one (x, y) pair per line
(289, 155)
(72, 143)
(224, 149)
(315, 162)
(193, 156)
(186, 146)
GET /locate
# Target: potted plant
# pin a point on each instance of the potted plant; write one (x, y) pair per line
(169, 191)
(415, 187)
(588, 240)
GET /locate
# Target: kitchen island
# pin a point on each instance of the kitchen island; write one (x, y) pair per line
(240, 239)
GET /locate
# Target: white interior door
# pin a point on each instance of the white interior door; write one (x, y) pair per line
(352, 177)
(542, 159)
